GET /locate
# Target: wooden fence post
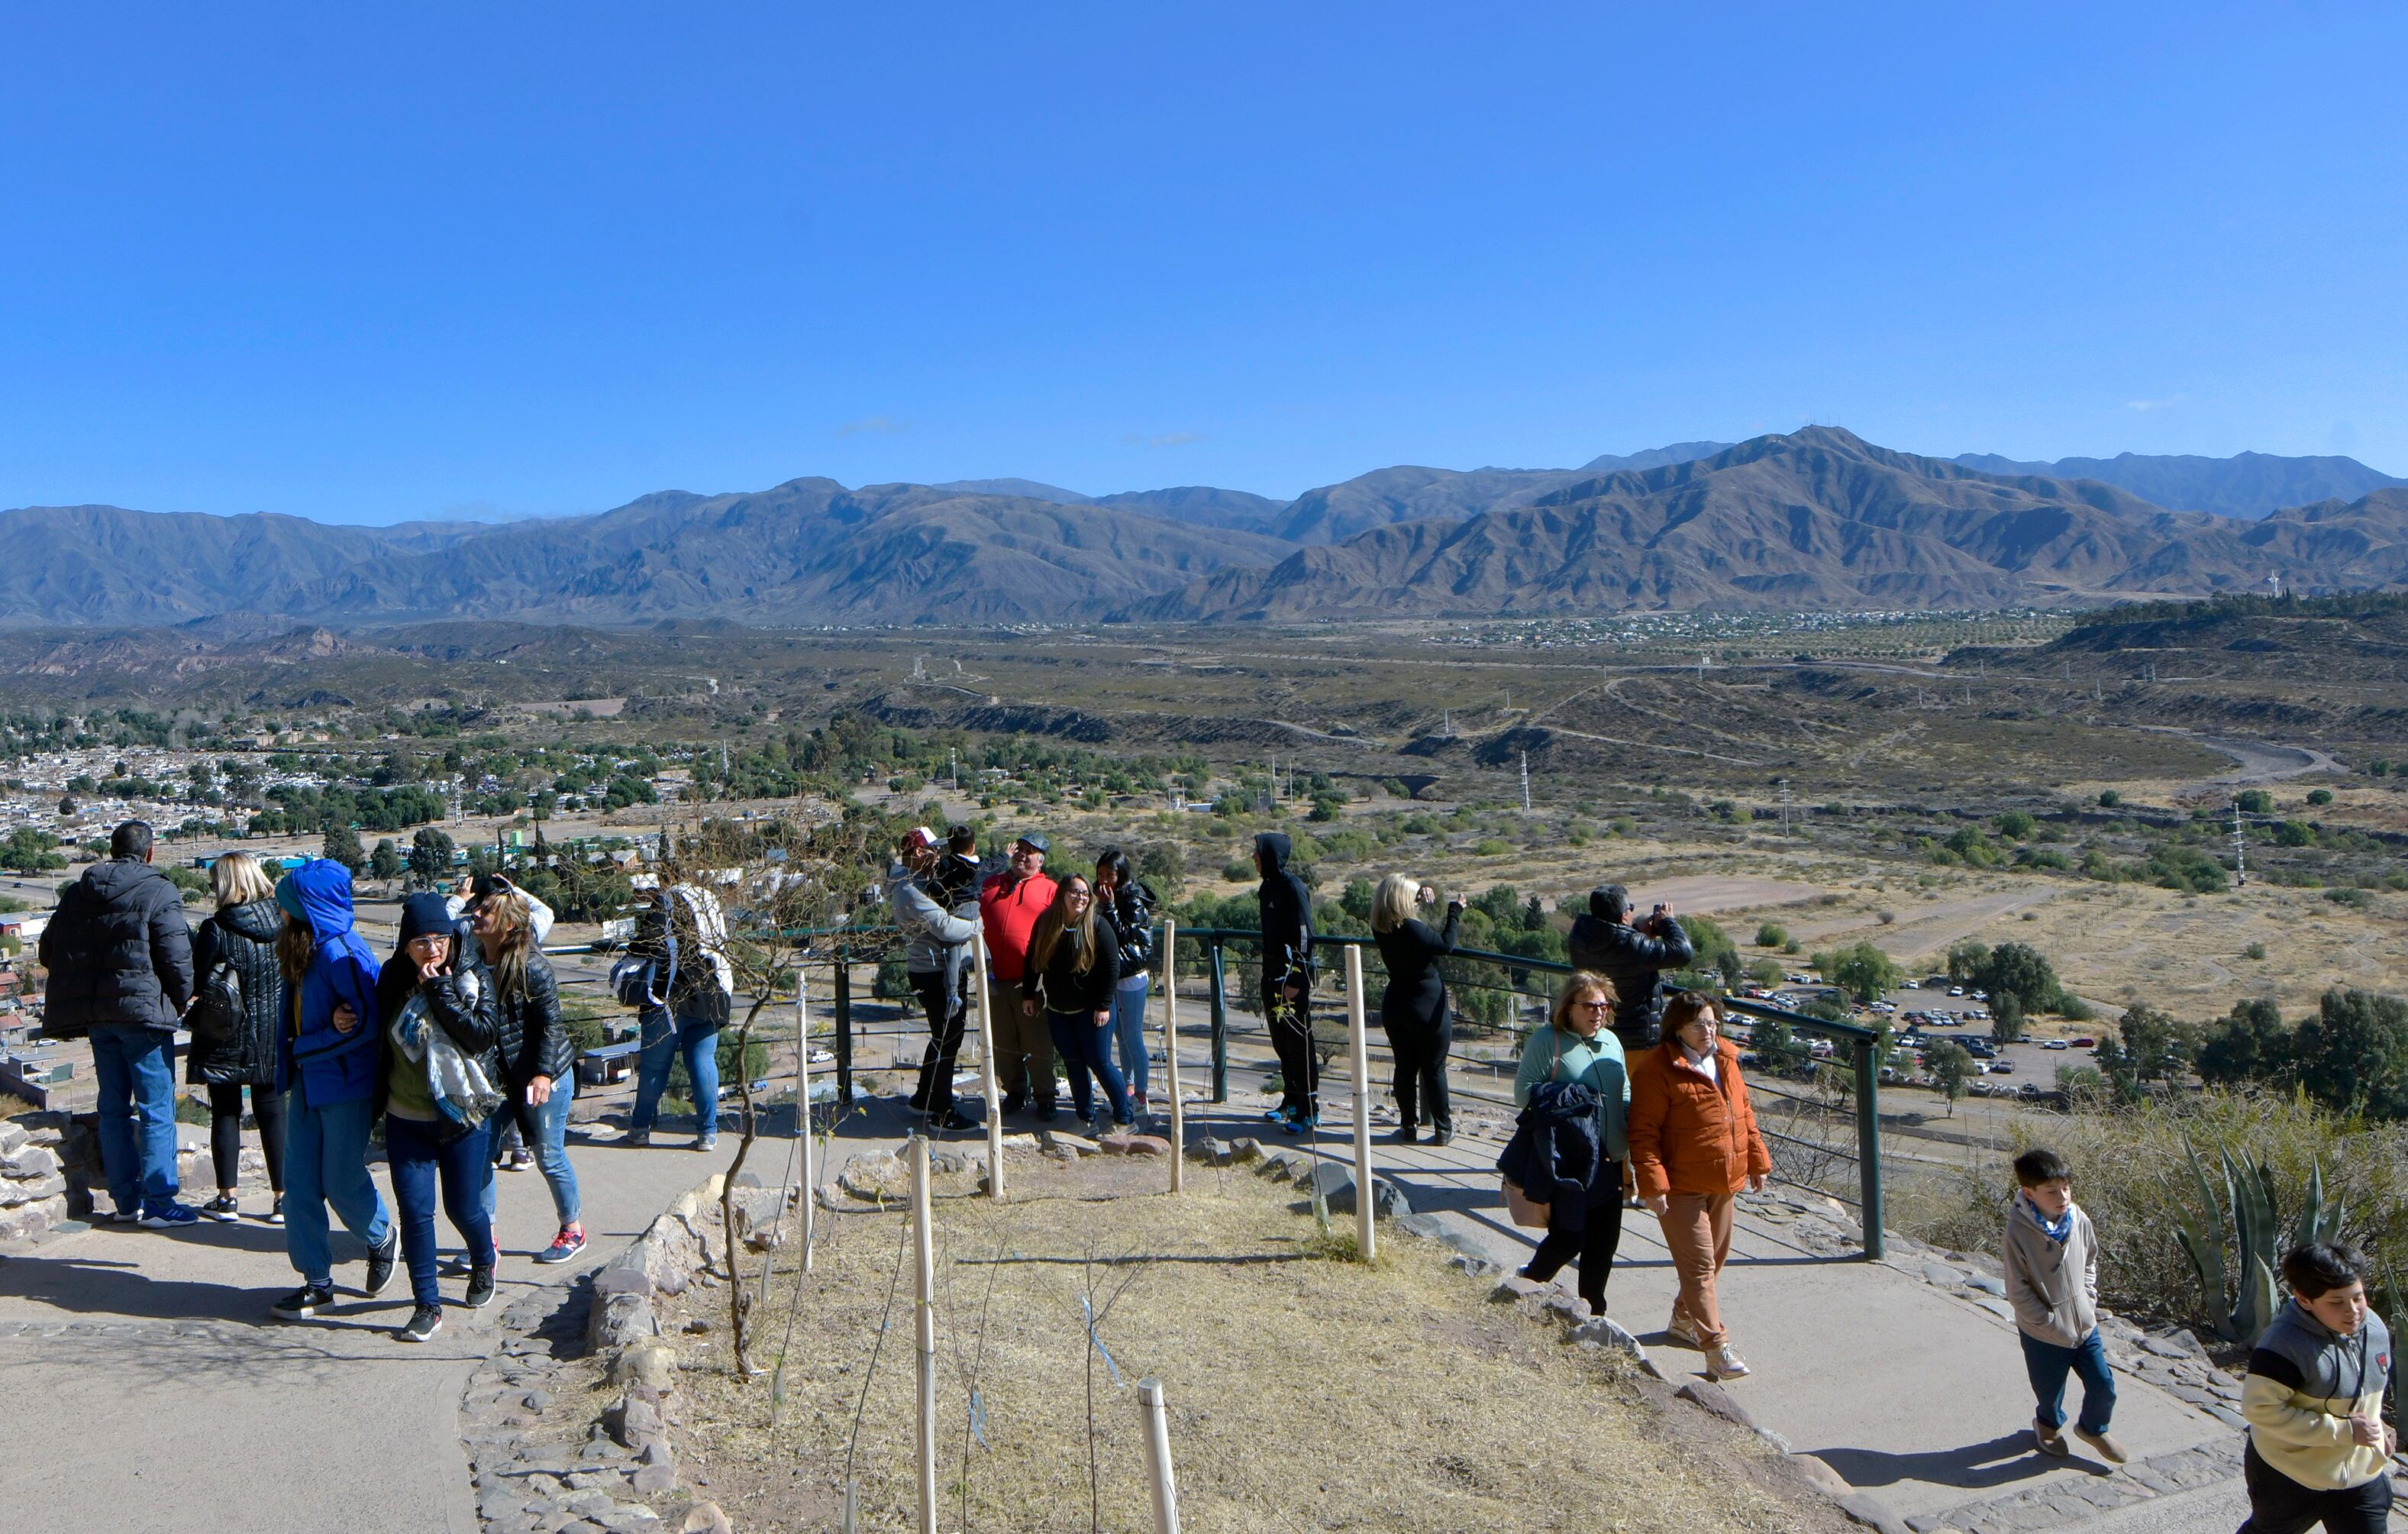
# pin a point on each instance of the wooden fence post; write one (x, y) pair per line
(1170, 1057)
(803, 1103)
(1359, 1060)
(1156, 1426)
(924, 1246)
(988, 1079)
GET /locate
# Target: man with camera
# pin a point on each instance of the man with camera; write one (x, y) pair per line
(1632, 955)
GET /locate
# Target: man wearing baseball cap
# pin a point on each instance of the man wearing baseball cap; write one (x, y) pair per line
(1008, 906)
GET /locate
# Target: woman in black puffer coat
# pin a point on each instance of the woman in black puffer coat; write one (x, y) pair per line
(538, 1060)
(231, 1052)
(1123, 904)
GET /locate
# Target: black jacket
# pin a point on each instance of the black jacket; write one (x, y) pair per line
(1634, 961)
(244, 938)
(1410, 951)
(1060, 988)
(1554, 1154)
(1129, 914)
(118, 951)
(527, 1030)
(1287, 915)
(460, 1000)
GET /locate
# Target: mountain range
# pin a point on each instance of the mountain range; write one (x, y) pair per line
(1814, 518)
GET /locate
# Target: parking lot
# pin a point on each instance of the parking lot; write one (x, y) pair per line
(1943, 1010)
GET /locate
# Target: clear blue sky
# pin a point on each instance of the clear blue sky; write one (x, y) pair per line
(367, 264)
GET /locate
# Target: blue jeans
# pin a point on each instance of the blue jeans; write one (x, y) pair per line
(135, 1068)
(419, 1156)
(545, 1129)
(697, 1040)
(2048, 1364)
(326, 1164)
(1128, 1030)
(1085, 1052)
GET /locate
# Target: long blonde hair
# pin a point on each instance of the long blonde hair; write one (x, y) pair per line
(1058, 921)
(238, 880)
(509, 964)
(1391, 903)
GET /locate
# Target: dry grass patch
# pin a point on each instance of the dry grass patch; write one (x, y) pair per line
(1305, 1392)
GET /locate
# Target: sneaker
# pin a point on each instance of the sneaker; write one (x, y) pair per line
(222, 1209)
(521, 1159)
(170, 1215)
(1278, 1116)
(481, 1289)
(2050, 1440)
(2103, 1445)
(1441, 1137)
(130, 1215)
(570, 1241)
(705, 1142)
(1725, 1363)
(1405, 1134)
(957, 1123)
(302, 1303)
(918, 1100)
(381, 1264)
(639, 1138)
(1682, 1329)
(1299, 1123)
(425, 1322)
(276, 1212)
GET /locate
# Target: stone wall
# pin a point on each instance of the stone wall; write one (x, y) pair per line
(33, 1179)
(73, 1140)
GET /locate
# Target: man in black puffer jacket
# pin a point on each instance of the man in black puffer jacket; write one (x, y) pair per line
(1632, 955)
(1288, 983)
(119, 957)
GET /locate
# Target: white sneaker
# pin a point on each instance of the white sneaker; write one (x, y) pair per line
(1725, 1363)
(1682, 1329)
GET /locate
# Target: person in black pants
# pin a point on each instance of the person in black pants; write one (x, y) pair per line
(238, 999)
(1577, 1046)
(1413, 1010)
(1287, 984)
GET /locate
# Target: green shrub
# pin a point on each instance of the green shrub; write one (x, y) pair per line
(2321, 796)
(1771, 935)
(2015, 825)
(2254, 951)
(2255, 801)
(2109, 798)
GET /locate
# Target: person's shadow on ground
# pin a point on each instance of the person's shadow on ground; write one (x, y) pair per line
(102, 1286)
(1994, 1462)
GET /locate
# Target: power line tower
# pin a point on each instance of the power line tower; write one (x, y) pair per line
(2240, 848)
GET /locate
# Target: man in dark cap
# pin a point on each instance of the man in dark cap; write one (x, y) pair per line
(1633, 956)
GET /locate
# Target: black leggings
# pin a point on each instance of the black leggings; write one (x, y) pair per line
(225, 1131)
(1291, 1031)
(1421, 1050)
(1593, 1245)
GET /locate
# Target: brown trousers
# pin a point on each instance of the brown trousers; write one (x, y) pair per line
(1024, 1046)
(1698, 1232)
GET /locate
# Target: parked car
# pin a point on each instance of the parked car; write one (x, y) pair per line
(2002, 1067)
(1955, 990)
(1981, 1049)
(1914, 985)
(2055, 1043)
(2085, 1041)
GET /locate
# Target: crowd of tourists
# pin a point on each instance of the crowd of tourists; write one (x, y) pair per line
(454, 1043)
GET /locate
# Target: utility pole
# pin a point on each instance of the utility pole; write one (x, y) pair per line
(2240, 848)
(1785, 806)
(1526, 782)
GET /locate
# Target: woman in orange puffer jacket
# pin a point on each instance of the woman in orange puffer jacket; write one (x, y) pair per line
(1694, 1144)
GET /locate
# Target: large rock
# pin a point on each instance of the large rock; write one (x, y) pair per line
(1128, 1144)
(1606, 1332)
(28, 1163)
(647, 1361)
(14, 1194)
(1714, 1401)
(12, 1135)
(619, 1320)
(1337, 1184)
(707, 1518)
(883, 1177)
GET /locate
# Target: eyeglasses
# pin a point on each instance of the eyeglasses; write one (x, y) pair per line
(1600, 1005)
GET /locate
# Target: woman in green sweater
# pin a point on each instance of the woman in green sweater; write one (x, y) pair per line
(1577, 1046)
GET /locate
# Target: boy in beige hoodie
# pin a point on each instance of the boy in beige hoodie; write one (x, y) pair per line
(2051, 1256)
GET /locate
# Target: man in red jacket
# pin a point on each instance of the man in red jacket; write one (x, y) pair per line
(1008, 906)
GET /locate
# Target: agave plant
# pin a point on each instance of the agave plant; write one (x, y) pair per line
(2247, 1220)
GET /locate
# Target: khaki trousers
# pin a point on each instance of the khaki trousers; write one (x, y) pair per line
(1698, 1232)
(1024, 1046)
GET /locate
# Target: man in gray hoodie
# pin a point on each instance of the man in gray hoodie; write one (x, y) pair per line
(936, 957)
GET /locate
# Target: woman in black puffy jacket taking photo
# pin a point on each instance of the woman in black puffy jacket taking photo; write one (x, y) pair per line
(539, 1062)
(436, 1133)
(1123, 904)
(237, 1001)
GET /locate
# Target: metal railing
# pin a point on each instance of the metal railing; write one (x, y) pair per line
(1503, 994)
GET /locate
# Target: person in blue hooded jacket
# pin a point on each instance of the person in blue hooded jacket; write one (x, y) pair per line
(326, 1060)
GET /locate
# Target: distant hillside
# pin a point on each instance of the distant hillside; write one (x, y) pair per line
(2247, 485)
(1818, 518)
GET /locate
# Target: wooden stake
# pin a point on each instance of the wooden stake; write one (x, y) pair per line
(803, 1106)
(1170, 1057)
(987, 1077)
(924, 1246)
(1156, 1427)
(1359, 1059)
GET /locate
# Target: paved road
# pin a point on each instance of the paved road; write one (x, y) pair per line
(147, 1392)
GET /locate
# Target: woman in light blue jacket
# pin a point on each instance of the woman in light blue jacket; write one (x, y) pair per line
(1578, 1046)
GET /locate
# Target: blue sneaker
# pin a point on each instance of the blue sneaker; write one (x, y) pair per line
(1301, 1123)
(1278, 1116)
(170, 1215)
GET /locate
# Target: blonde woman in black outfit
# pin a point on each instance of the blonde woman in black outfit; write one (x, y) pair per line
(1413, 1011)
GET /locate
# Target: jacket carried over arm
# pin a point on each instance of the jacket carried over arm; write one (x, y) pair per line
(2305, 1381)
(1690, 1133)
(118, 951)
(1286, 916)
(2053, 1284)
(1553, 1154)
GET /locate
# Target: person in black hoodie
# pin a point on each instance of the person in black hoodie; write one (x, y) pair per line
(1634, 956)
(1074, 967)
(1288, 983)
(434, 982)
(233, 1019)
(1412, 1009)
(1126, 906)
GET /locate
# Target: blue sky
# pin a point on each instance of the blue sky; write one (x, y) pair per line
(366, 264)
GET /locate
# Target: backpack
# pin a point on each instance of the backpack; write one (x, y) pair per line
(217, 1006)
